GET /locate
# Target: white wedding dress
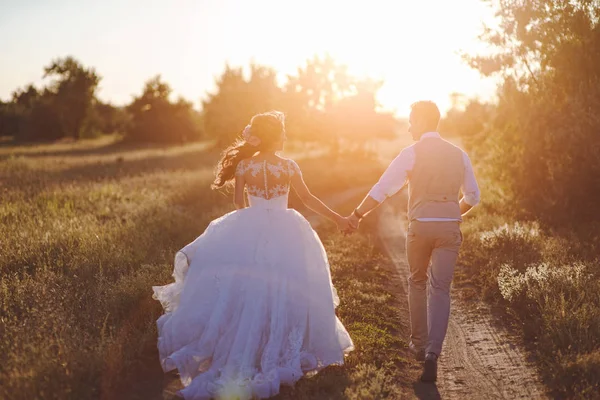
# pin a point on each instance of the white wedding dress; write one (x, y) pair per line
(252, 306)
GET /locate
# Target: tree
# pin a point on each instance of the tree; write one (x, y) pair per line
(328, 105)
(321, 83)
(467, 119)
(107, 119)
(31, 116)
(154, 118)
(355, 120)
(534, 37)
(63, 108)
(310, 96)
(323, 103)
(73, 93)
(7, 120)
(542, 141)
(237, 99)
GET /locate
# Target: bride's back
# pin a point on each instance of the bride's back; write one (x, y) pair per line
(267, 177)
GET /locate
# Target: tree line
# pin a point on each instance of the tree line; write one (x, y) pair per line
(539, 145)
(323, 102)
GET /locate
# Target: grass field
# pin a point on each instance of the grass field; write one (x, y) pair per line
(545, 284)
(87, 228)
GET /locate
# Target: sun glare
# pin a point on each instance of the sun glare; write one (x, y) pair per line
(413, 47)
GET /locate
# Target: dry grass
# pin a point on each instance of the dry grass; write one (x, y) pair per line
(87, 228)
(547, 284)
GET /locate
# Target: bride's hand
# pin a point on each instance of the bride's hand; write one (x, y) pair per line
(343, 224)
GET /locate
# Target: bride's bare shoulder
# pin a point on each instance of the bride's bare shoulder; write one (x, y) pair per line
(284, 159)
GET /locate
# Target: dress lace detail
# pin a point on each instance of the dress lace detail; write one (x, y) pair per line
(256, 191)
(248, 166)
(275, 180)
(277, 170)
(278, 190)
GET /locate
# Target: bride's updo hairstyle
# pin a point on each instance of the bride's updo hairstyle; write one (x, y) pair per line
(265, 133)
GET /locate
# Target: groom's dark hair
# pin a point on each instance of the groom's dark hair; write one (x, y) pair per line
(427, 111)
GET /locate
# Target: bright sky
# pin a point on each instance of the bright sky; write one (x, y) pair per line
(411, 45)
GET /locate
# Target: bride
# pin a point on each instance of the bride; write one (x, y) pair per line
(252, 306)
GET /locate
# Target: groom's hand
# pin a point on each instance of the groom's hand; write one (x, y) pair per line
(345, 227)
(343, 224)
(354, 222)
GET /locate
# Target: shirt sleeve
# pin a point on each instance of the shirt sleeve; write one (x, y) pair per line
(394, 177)
(470, 189)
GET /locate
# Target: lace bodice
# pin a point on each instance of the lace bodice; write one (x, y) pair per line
(265, 179)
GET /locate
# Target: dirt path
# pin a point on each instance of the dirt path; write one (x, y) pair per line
(480, 360)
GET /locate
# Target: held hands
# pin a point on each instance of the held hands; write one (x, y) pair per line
(348, 225)
(343, 224)
(353, 222)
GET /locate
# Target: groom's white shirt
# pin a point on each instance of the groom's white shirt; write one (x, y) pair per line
(394, 178)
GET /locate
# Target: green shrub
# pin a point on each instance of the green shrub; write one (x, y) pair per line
(484, 253)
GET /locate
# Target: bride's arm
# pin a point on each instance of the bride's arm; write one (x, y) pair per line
(314, 203)
(238, 197)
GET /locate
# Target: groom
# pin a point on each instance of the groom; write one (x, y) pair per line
(437, 172)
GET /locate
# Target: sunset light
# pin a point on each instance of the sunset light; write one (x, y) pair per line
(412, 46)
(300, 200)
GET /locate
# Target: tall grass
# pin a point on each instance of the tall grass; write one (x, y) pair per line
(79, 252)
(86, 229)
(548, 283)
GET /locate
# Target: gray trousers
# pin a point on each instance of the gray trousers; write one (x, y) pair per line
(432, 250)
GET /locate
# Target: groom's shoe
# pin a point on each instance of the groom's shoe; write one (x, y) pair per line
(430, 369)
(419, 353)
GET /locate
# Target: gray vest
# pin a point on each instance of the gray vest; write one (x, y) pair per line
(435, 180)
